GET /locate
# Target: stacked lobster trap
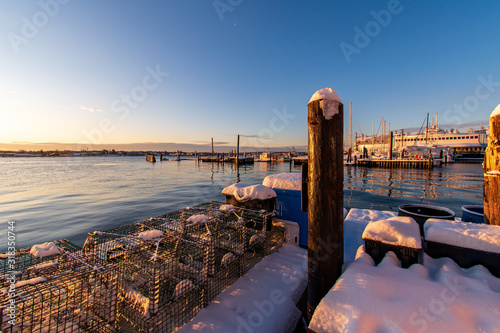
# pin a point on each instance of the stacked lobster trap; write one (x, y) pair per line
(150, 276)
(57, 293)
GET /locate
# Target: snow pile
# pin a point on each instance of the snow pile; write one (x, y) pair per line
(182, 288)
(46, 265)
(365, 216)
(195, 219)
(44, 250)
(150, 234)
(244, 192)
(496, 111)
(329, 102)
(284, 181)
(437, 297)
(229, 190)
(227, 208)
(263, 300)
(23, 283)
(30, 282)
(398, 230)
(482, 237)
(354, 225)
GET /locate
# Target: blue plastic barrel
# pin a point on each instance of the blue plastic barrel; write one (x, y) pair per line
(473, 213)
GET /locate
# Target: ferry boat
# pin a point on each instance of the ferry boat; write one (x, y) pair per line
(464, 147)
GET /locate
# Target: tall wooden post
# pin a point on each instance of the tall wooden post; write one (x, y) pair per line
(325, 194)
(491, 167)
(212, 147)
(391, 136)
(238, 152)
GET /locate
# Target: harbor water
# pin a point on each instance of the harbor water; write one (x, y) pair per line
(67, 197)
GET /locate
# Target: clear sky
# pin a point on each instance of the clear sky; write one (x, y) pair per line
(122, 71)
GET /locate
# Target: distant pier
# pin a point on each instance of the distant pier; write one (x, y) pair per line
(397, 164)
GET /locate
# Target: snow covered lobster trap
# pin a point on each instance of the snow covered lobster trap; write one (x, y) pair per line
(51, 288)
(173, 265)
(150, 276)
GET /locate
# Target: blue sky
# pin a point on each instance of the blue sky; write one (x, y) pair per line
(96, 72)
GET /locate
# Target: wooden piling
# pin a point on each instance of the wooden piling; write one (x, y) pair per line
(325, 195)
(212, 147)
(491, 170)
(237, 152)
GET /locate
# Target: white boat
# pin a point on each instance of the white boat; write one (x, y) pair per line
(283, 158)
(265, 156)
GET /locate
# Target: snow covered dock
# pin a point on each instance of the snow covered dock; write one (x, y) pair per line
(435, 296)
(264, 300)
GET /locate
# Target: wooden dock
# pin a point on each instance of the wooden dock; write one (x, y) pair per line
(222, 159)
(396, 164)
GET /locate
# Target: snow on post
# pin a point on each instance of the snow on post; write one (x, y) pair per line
(325, 194)
(329, 102)
(491, 168)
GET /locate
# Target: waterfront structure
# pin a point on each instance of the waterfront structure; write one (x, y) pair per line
(470, 144)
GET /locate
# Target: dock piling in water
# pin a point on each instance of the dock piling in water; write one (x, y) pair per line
(237, 152)
(491, 170)
(325, 194)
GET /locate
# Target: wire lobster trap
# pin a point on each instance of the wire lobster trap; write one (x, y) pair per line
(179, 221)
(23, 259)
(61, 294)
(112, 245)
(161, 285)
(150, 276)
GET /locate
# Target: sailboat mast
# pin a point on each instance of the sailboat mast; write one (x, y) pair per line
(373, 134)
(350, 126)
(427, 130)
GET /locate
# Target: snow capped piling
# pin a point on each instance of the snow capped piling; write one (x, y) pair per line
(491, 167)
(325, 194)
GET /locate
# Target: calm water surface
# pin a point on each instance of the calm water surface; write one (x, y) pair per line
(67, 197)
